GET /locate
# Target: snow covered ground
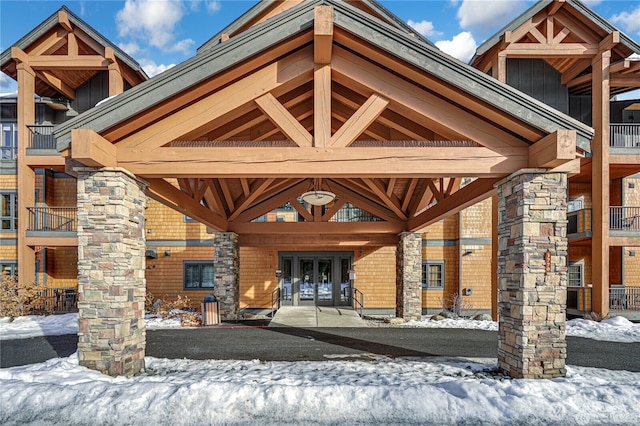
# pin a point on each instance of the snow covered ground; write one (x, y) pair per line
(342, 390)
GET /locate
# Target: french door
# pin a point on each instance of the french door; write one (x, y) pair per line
(315, 278)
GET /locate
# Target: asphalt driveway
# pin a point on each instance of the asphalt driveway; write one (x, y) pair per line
(299, 344)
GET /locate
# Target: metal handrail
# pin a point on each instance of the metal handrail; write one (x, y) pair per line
(61, 219)
(275, 300)
(357, 298)
(41, 137)
(625, 135)
(58, 299)
(624, 218)
(624, 298)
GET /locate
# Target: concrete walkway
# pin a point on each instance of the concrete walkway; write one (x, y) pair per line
(316, 316)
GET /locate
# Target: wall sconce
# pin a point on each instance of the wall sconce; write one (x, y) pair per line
(467, 252)
(167, 253)
(632, 253)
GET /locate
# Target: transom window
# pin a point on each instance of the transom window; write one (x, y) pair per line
(8, 211)
(198, 275)
(433, 274)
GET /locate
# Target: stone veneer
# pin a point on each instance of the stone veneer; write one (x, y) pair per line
(111, 271)
(532, 274)
(409, 276)
(226, 269)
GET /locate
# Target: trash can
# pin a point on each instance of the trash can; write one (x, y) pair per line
(210, 310)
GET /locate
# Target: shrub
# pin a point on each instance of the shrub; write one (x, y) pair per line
(17, 298)
(454, 306)
(167, 308)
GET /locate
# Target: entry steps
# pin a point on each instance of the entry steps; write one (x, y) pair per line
(316, 316)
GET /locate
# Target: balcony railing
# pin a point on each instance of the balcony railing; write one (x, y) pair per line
(41, 137)
(52, 219)
(624, 298)
(579, 222)
(620, 299)
(624, 136)
(349, 213)
(624, 219)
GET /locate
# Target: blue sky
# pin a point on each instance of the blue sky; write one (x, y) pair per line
(162, 33)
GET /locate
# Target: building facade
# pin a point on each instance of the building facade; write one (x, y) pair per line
(312, 101)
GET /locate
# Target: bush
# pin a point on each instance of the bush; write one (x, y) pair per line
(454, 306)
(17, 298)
(167, 308)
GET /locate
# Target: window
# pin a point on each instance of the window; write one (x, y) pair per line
(433, 274)
(9, 267)
(575, 204)
(8, 211)
(9, 141)
(198, 275)
(575, 275)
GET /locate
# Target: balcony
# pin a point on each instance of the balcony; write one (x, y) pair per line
(624, 221)
(624, 138)
(579, 224)
(52, 219)
(41, 140)
(620, 299)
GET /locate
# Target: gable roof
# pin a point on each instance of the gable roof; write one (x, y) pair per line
(390, 39)
(52, 21)
(540, 5)
(264, 5)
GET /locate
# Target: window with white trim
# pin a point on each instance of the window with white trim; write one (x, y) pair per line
(574, 275)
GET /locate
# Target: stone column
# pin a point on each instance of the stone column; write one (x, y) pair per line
(532, 274)
(111, 271)
(226, 266)
(409, 276)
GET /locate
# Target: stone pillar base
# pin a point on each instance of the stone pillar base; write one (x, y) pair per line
(226, 266)
(532, 274)
(409, 277)
(111, 268)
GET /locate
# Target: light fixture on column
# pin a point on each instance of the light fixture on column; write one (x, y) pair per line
(316, 196)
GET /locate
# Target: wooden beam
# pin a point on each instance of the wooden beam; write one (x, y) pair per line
(575, 70)
(227, 194)
(610, 41)
(62, 62)
(50, 44)
(72, 45)
(554, 7)
(564, 50)
(363, 202)
(322, 34)
(283, 119)
(409, 194)
(436, 193)
(323, 162)
(59, 85)
(316, 228)
(288, 72)
(391, 202)
(91, 149)
(340, 241)
(359, 121)
(553, 150)
(63, 19)
(167, 194)
(329, 213)
(441, 116)
(289, 194)
(390, 186)
(255, 193)
(471, 194)
(322, 106)
(301, 210)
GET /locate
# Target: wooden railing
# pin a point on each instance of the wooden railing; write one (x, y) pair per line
(41, 137)
(624, 218)
(53, 219)
(579, 221)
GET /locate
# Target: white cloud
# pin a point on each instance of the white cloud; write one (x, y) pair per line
(213, 6)
(151, 20)
(462, 46)
(483, 17)
(183, 46)
(424, 27)
(7, 83)
(150, 67)
(130, 48)
(630, 21)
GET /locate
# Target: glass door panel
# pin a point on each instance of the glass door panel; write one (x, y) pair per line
(345, 283)
(307, 287)
(287, 281)
(325, 281)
